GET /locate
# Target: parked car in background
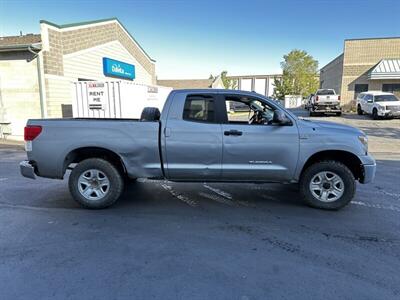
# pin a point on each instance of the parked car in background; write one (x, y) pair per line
(195, 139)
(378, 104)
(307, 103)
(323, 102)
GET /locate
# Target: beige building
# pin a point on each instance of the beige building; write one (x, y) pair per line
(365, 65)
(37, 70)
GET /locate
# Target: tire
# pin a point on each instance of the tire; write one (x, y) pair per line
(90, 177)
(150, 114)
(344, 181)
(338, 114)
(359, 110)
(375, 114)
(312, 114)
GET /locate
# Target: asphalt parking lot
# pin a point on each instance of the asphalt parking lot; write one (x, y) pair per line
(203, 241)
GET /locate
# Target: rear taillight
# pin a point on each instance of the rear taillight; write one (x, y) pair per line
(338, 97)
(316, 98)
(31, 132)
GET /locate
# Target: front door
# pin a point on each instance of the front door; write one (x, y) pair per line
(258, 152)
(193, 139)
(368, 103)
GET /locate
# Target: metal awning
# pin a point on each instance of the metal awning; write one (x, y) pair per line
(386, 69)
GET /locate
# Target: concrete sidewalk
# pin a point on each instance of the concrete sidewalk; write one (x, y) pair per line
(11, 143)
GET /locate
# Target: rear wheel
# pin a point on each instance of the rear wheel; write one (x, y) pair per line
(95, 183)
(327, 185)
(359, 110)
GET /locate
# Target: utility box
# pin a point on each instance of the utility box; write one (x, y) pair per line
(293, 101)
(115, 99)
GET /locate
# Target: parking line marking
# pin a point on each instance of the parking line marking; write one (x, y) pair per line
(3, 179)
(217, 199)
(378, 206)
(227, 195)
(218, 191)
(181, 197)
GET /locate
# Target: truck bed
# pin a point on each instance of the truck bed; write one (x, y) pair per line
(136, 142)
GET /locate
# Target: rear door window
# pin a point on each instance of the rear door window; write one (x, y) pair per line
(200, 108)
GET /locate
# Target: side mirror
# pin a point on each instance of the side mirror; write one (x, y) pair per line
(281, 118)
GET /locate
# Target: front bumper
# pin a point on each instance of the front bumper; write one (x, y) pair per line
(389, 113)
(369, 173)
(368, 165)
(27, 169)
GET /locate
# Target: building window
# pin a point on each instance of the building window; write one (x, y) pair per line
(199, 108)
(392, 88)
(360, 88)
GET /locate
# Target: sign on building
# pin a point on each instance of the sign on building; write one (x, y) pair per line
(119, 69)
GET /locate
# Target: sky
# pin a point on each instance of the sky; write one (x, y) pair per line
(196, 38)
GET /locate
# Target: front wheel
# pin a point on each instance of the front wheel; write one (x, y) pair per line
(95, 183)
(375, 114)
(327, 185)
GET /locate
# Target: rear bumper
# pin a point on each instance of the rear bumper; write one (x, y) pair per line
(27, 169)
(327, 108)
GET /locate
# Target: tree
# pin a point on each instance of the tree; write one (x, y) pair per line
(229, 83)
(299, 75)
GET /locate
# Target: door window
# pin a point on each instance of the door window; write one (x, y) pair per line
(199, 108)
(245, 110)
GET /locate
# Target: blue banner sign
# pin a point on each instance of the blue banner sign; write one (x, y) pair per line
(116, 68)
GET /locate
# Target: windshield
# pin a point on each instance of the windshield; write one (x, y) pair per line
(325, 92)
(382, 98)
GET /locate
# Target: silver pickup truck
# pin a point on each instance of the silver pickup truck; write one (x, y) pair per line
(196, 139)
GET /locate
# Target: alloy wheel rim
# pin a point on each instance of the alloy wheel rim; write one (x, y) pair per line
(93, 184)
(327, 186)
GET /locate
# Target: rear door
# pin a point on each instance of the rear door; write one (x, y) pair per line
(193, 138)
(257, 152)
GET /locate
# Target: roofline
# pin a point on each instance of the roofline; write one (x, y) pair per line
(95, 22)
(253, 76)
(20, 47)
(342, 54)
(78, 23)
(372, 38)
(184, 79)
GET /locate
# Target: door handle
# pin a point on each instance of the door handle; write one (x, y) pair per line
(233, 132)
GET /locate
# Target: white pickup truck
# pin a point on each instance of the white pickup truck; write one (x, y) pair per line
(324, 101)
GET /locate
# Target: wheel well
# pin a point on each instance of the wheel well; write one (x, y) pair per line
(80, 154)
(347, 158)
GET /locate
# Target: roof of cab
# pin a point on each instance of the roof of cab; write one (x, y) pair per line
(218, 91)
(377, 93)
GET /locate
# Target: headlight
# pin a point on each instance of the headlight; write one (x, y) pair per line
(381, 107)
(364, 140)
